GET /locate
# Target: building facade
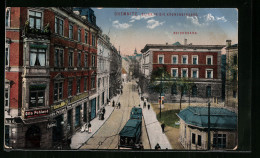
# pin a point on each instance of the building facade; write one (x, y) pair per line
(103, 76)
(199, 63)
(231, 84)
(50, 75)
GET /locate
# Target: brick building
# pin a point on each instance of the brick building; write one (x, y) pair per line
(201, 63)
(50, 75)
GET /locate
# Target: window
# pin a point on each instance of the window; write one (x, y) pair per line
(69, 119)
(93, 60)
(37, 57)
(35, 19)
(174, 89)
(70, 88)
(184, 59)
(7, 55)
(37, 95)
(7, 17)
(195, 73)
(7, 96)
(71, 59)
(85, 83)
(103, 81)
(86, 36)
(208, 91)
(209, 60)
(7, 135)
(77, 116)
(93, 40)
(58, 91)
(194, 91)
(234, 94)
(93, 82)
(85, 111)
(184, 72)
(175, 59)
(195, 59)
(193, 138)
(199, 140)
(79, 35)
(79, 59)
(58, 26)
(86, 60)
(161, 59)
(209, 73)
(234, 72)
(235, 59)
(78, 85)
(174, 72)
(219, 140)
(71, 31)
(58, 58)
(99, 80)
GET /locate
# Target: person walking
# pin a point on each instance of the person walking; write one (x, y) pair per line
(119, 105)
(148, 106)
(113, 103)
(89, 128)
(157, 147)
(163, 126)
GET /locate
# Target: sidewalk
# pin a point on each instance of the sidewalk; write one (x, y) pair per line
(78, 139)
(154, 129)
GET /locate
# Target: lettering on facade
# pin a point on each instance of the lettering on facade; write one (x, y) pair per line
(35, 113)
(52, 124)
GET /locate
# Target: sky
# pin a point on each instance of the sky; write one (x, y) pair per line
(145, 26)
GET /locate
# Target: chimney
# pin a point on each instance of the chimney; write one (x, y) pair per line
(185, 41)
(228, 43)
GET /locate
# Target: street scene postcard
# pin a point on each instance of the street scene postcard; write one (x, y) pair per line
(79, 78)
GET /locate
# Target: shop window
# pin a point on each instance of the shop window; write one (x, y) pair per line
(71, 31)
(199, 140)
(7, 135)
(37, 96)
(35, 19)
(193, 138)
(219, 140)
(69, 117)
(37, 57)
(59, 27)
(58, 91)
(77, 116)
(58, 58)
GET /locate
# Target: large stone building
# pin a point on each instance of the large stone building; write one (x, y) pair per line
(231, 84)
(103, 76)
(200, 63)
(194, 128)
(50, 75)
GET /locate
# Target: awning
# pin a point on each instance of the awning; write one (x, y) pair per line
(38, 46)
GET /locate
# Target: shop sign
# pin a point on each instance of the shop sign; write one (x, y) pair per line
(75, 98)
(36, 113)
(52, 124)
(62, 104)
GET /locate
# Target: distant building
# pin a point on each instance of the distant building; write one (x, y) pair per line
(194, 128)
(201, 63)
(231, 85)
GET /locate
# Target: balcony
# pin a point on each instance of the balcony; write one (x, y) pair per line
(36, 33)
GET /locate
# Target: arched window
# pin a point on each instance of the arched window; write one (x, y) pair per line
(174, 89)
(7, 17)
(194, 91)
(208, 91)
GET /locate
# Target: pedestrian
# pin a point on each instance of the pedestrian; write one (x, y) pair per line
(141, 146)
(89, 128)
(163, 126)
(113, 103)
(139, 105)
(104, 110)
(119, 105)
(144, 104)
(148, 106)
(157, 147)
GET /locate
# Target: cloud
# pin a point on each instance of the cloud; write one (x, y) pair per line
(132, 21)
(195, 20)
(151, 24)
(221, 19)
(209, 17)
(118, 25)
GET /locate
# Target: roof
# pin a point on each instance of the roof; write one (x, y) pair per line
(220, 118)
(136, 113)
(131, 128)
(176, 44)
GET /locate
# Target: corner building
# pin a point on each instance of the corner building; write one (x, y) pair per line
(50, 75)
(201, 63)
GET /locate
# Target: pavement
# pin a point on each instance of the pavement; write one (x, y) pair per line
(154, 129)
(79, 138)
